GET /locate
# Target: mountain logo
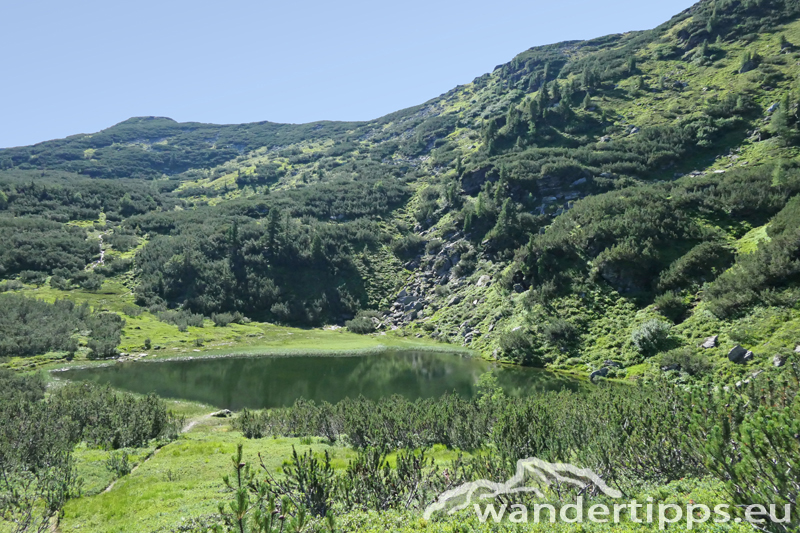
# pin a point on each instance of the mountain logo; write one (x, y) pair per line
(532, 475)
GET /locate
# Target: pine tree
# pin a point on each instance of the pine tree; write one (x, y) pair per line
(556, 92)
(587, 101)
(704, 51)
(631, 64)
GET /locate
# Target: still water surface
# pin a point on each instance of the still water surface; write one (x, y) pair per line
(258, 382)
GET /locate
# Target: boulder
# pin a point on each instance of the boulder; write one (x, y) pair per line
(484, 281)
(225, 413)
(455, 300)
(797, 349)
(518, 288)
(710, 342)
(612, 364)
(603, 372)
(737, 354)
(578, 183)
(670, 367)
(748, 356)
(773, 108)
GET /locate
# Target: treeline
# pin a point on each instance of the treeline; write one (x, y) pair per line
(37, 436)
(628, 436)
(42, 245)
(33, 327)
(64, 197)
(278, 257)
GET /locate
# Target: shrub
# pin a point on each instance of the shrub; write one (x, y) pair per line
(559, 331)
(222, 319)
(11, 285)
(361, 325)
(118, 464)
(132, 310)
(518, 346)
(106, 333)
(32, 277)
(58, 282)
(688, 361)
(433, 246)
(181, 318)
(651, 336)
(671, 306)
(408, 247)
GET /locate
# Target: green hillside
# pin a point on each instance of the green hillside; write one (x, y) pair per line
(541, 214)
(624, 209)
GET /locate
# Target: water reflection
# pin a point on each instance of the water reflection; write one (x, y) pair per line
(235, 383)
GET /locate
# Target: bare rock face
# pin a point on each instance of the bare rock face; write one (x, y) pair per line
(710, 342)
(778, 360)
(738, 354)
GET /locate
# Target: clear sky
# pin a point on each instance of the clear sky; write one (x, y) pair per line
(80, 66)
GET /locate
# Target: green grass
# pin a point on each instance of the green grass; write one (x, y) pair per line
(184, 478)
(749, 243)
(253, 339)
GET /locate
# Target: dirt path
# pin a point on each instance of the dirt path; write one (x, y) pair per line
(111, 486)
(188, 427)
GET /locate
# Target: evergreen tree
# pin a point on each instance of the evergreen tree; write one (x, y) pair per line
(273, 226)
(587, 101)
(631, 64)
(556, 92)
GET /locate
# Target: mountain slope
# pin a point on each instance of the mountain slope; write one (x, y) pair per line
(588, 205)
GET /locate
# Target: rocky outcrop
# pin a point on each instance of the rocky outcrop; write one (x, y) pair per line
(603, 372)
(739, 355)
(710, 342)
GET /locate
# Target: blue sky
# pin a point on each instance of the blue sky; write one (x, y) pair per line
(81, 66)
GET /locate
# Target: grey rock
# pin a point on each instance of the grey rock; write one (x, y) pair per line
(603, 372)
(774, 107)
(710, 342)
(778, 360)
(225, 413)
(518, 288)
(669, 368)
(797, 349)
(634, 130)
(748, 356)
(579, 182)
(737, 354)
(455, 300)
(484, 281)
(612, 364)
